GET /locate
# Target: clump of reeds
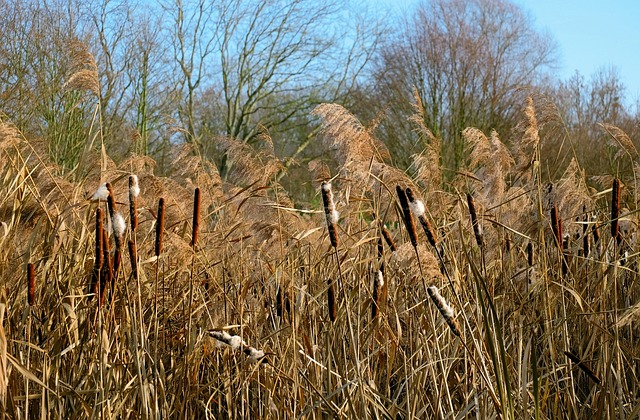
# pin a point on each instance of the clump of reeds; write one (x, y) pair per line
(330, 212)
(445, 310)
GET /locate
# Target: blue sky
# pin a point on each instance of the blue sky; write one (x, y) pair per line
(591, 34)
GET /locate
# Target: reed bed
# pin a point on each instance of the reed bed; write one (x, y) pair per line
(236, 302)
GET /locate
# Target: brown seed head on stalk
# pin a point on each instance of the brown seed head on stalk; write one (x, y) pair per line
(99, 254)
(417, 209)
(196, 217)
(530, 254)
(159, 228)
(106, 274)
(134, 191)
(133, 257)
(331, 301)
(583, 366)
(387, 238)
(378, 286)
(31, 284)
(443, 307)
(330, 212)
(111, 202)
(586, 244)
(615, 210)
(477, 227)
(406, 216)
(556, 226)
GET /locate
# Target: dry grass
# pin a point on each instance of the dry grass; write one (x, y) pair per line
(244, 307)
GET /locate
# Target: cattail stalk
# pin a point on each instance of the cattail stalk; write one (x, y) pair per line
(196, 217)
(407, 217)
(330, 212)
(445, 310)
(111, 201)
(615, 211)
(586, 244)
(583, 366)
(133, 257)
(556, 226)
(106, 274)
(378, 286)
(31, 284)
(417, 208)
(99, 253)
(159, 228)
(477, 227)
(331, 300)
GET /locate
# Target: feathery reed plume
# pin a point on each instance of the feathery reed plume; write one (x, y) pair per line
(445, 310)
(133, 257)
(586, 244)
(407, 217)
(31, 284)
(417, 208)
(615, 211)
(331, 300)
(387, 237)
(99, 252)
(330, 212)
(556, 226)
(477, 227)
(378, 285)
(134, 191)
(196, 217)
(159, 228)
(583, 366)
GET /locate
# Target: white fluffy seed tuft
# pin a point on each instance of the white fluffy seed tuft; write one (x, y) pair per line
(334, 216)
(135, 187)
(380, 278)
(101, 193)
(417, 208)
(254, 354)
(443, 306)
(119, 225)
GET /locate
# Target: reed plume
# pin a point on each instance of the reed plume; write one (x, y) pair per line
(31, 284)
(159, 228)
(330, 212)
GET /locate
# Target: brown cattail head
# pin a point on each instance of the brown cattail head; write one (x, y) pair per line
(134, 191)
(279, 302)
(330, 212)
(443, 307)
(380, 248)
(378, 286)
(159, 228)
(615, 210)
(99, 255)
(583, 366)
(106, 274)
(418, 210)
(196, 217)
(111, 202)
(31, 284)
(556, 226)
(586, 243)
(477, 227)
(530, 254)
(387, 238)
(331, 300)
(133, 257)
(406, 216)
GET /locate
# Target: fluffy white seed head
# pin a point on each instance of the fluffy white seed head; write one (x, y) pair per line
(326, 187)
(334, 216)
(380, 278)
(101, 193)
(119, 225)
(235, 342)
(443, 306)
(135, 187)
(417, 208)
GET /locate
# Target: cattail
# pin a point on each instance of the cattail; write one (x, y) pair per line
(254, 354)
(406, 216)
(107, 267)
(477, 227)
(586, 244)
(378, 285)
(418, 209)
(331, 299)
(445, 310)
(134, 191)
(279, 302)
(615, 211)
(159, 228)
(133, 257)
(99, 253)
(233, 341)
(556, 226)
(111, 201)
(565, 257)
(380, 248)
(387, 237)
(530, 254)
(330, 212)
(101, 193)
(196, 217)
(31, 284)
(583, 366)
(596, 233)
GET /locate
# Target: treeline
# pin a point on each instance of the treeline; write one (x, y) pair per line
(141, 77)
